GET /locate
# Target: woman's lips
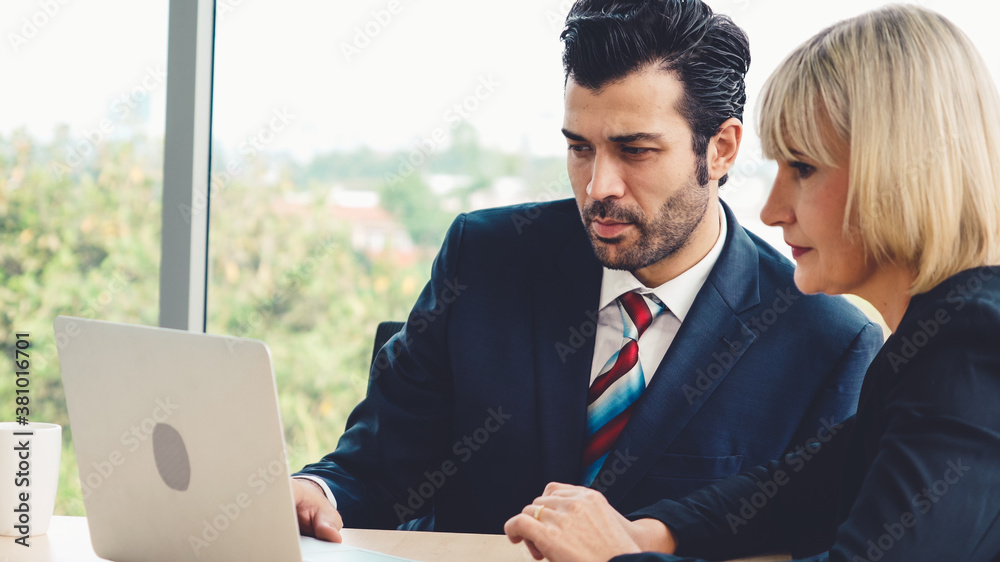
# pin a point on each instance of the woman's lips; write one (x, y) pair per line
(610, 229)
(799, 251)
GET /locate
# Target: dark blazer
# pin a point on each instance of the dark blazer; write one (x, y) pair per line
(481, 399)
(914, 476)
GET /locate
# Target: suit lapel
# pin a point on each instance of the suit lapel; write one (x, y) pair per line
(565, 304)
(707, 346)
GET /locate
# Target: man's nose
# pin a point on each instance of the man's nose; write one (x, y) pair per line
(606, 179)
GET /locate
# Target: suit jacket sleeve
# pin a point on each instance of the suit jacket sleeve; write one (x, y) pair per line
(402, 426)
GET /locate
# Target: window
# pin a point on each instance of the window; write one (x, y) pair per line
(81, 164)
(346, 138)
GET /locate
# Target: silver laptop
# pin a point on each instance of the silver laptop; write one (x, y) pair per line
(180, 447)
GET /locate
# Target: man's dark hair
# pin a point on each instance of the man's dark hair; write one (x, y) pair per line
(606, 40)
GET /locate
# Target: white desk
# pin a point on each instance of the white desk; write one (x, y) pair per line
(68, 540)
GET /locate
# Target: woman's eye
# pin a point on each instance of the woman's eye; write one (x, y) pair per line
(804, 170)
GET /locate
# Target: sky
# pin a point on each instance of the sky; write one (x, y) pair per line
(383, 73)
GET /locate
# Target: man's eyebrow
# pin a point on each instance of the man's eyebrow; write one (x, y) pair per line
(634, 137)
(620, 139)
(573, 136)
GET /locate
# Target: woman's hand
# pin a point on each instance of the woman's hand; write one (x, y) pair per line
(573, 523)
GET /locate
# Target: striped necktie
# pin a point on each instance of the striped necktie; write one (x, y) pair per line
(621, 382)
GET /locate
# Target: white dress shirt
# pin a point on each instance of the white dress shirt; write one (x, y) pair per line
(678, 295)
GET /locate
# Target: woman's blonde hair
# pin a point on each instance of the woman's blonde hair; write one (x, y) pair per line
(913, 99)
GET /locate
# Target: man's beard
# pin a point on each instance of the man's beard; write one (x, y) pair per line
(660, 237)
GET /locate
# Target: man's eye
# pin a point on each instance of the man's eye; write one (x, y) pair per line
(804, 170)
(579, 147)
(636, 150)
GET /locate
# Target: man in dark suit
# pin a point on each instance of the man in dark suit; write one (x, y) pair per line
(646, 350)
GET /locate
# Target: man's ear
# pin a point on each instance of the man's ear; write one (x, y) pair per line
(723, 148)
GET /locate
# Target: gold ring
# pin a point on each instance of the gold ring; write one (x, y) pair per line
(538, 512)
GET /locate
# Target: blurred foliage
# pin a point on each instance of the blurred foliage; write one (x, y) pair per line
(411, 199)
(84, 240)
(294, 282)
(81, 240)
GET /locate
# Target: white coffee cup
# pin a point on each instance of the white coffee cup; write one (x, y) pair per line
(29, 476)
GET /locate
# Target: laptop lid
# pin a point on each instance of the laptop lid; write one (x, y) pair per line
(179, 443)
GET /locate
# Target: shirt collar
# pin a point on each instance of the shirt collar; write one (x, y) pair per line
(679, 293)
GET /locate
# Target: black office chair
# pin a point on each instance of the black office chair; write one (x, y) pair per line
(383, 332)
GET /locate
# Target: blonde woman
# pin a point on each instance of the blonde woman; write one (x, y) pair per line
(886, 129)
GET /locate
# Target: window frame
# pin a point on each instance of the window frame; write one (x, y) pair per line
(186, 165)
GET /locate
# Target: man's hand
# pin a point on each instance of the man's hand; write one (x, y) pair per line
(576, 524)
(317, 517)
